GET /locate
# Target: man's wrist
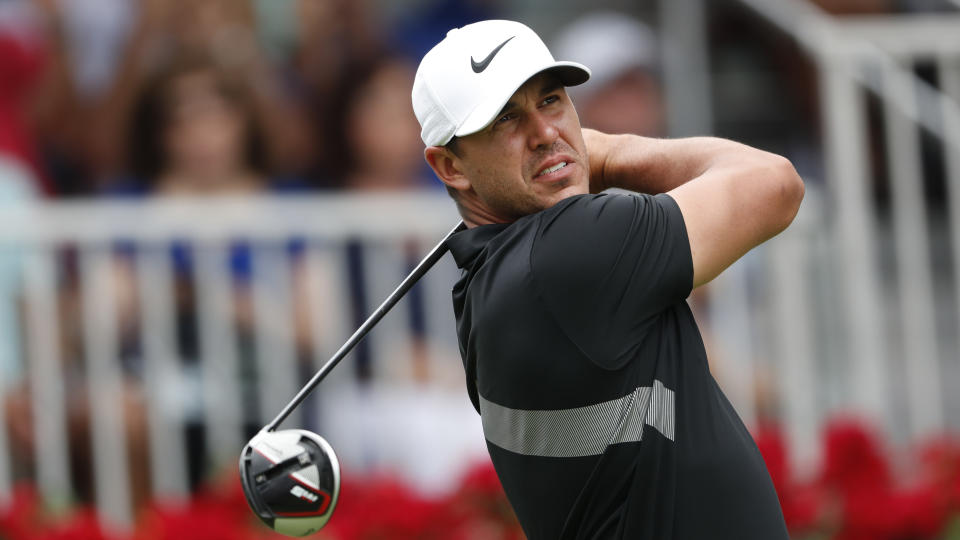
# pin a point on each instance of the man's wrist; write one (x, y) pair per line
(600, 146)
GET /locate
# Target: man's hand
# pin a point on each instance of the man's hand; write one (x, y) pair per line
(599, 146)
(636, 163)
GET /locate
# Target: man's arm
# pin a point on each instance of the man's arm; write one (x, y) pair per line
(732, 197)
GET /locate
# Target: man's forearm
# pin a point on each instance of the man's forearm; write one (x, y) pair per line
(649, 165)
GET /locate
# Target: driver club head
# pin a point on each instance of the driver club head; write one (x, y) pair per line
(291, 479)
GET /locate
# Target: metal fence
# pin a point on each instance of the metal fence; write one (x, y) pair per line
(275, 286)
(895, 270)
(764, 322)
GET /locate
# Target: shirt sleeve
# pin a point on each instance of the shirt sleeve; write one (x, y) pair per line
(607, 266)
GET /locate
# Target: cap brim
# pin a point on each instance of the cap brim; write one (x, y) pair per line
(570, 73)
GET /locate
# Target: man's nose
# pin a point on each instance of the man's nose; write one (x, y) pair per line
(542, 130)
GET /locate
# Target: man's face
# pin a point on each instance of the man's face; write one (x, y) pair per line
(531, 157)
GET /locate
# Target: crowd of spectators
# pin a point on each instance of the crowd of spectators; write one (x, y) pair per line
(161, 97)
(96, 96)
(165, 97)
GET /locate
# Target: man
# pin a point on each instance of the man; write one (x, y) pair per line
(581, 354)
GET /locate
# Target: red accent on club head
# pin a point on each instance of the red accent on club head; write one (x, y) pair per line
(266, 457)
(323, 505)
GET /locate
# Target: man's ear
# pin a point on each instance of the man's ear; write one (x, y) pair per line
(447, 166)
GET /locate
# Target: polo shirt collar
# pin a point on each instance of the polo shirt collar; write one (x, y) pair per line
(467, 244)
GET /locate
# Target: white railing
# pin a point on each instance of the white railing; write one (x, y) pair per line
(49, 242)
(892, 288)
(765, 306)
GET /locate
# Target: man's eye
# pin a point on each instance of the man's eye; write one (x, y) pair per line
(504, 118)
(550, 100)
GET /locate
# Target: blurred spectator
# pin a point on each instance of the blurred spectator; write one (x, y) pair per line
(194, 130)
(384, 150)
(22, 59)
(765, 89)
(84, 40)
(225, 32)
(94, 33)
(341, 46)
(623, 94)
(101, 55)
(335, 39)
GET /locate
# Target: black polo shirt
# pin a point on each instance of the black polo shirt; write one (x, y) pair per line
(588, 370)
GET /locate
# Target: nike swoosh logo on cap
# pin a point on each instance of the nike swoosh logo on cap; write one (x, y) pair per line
(478, 67)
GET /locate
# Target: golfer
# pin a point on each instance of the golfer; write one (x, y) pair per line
(581, 354)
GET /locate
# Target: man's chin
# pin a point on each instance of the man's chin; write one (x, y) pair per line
(568, 191)
(550, 201)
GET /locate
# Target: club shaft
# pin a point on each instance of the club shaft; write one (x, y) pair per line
(435, 254)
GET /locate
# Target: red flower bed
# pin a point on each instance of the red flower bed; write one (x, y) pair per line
(367, 510)
(856, 495)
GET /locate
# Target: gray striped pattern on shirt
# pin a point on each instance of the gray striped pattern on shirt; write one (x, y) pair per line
(581, 431)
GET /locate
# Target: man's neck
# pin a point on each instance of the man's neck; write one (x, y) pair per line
(475, 214)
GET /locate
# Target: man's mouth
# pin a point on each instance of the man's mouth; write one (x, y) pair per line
(553, 168)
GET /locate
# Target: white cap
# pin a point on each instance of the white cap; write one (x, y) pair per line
(466, 79)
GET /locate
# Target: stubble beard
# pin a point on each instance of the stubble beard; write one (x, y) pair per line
(507, 202)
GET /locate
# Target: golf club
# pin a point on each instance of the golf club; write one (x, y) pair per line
(291, 478)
